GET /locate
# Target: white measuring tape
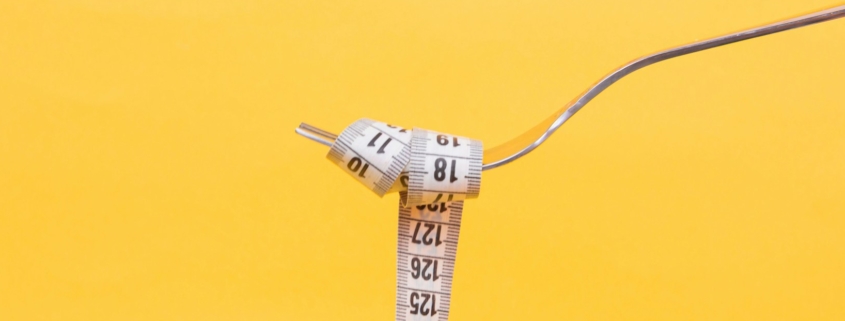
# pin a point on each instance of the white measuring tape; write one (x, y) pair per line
(434, 173)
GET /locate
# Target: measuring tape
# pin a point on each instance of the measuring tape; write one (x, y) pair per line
(433, 173)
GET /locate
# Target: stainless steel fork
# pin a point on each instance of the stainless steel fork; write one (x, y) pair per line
(528, 141)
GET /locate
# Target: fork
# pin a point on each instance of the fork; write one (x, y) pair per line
(531, 139)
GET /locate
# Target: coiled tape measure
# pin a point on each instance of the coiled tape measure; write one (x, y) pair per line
(433, 173)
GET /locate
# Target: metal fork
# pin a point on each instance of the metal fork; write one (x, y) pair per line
(528, 141)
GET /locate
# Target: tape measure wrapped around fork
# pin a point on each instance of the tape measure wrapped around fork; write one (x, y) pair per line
(433, 173)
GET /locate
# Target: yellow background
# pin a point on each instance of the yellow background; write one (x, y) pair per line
(149, 169)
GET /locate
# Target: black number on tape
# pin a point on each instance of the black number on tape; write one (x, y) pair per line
(355, 164)
(383, 145)
(423, 308)
(443, 140)
(419, 268)
(434, 207)
(425, 238)
(440, 170)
